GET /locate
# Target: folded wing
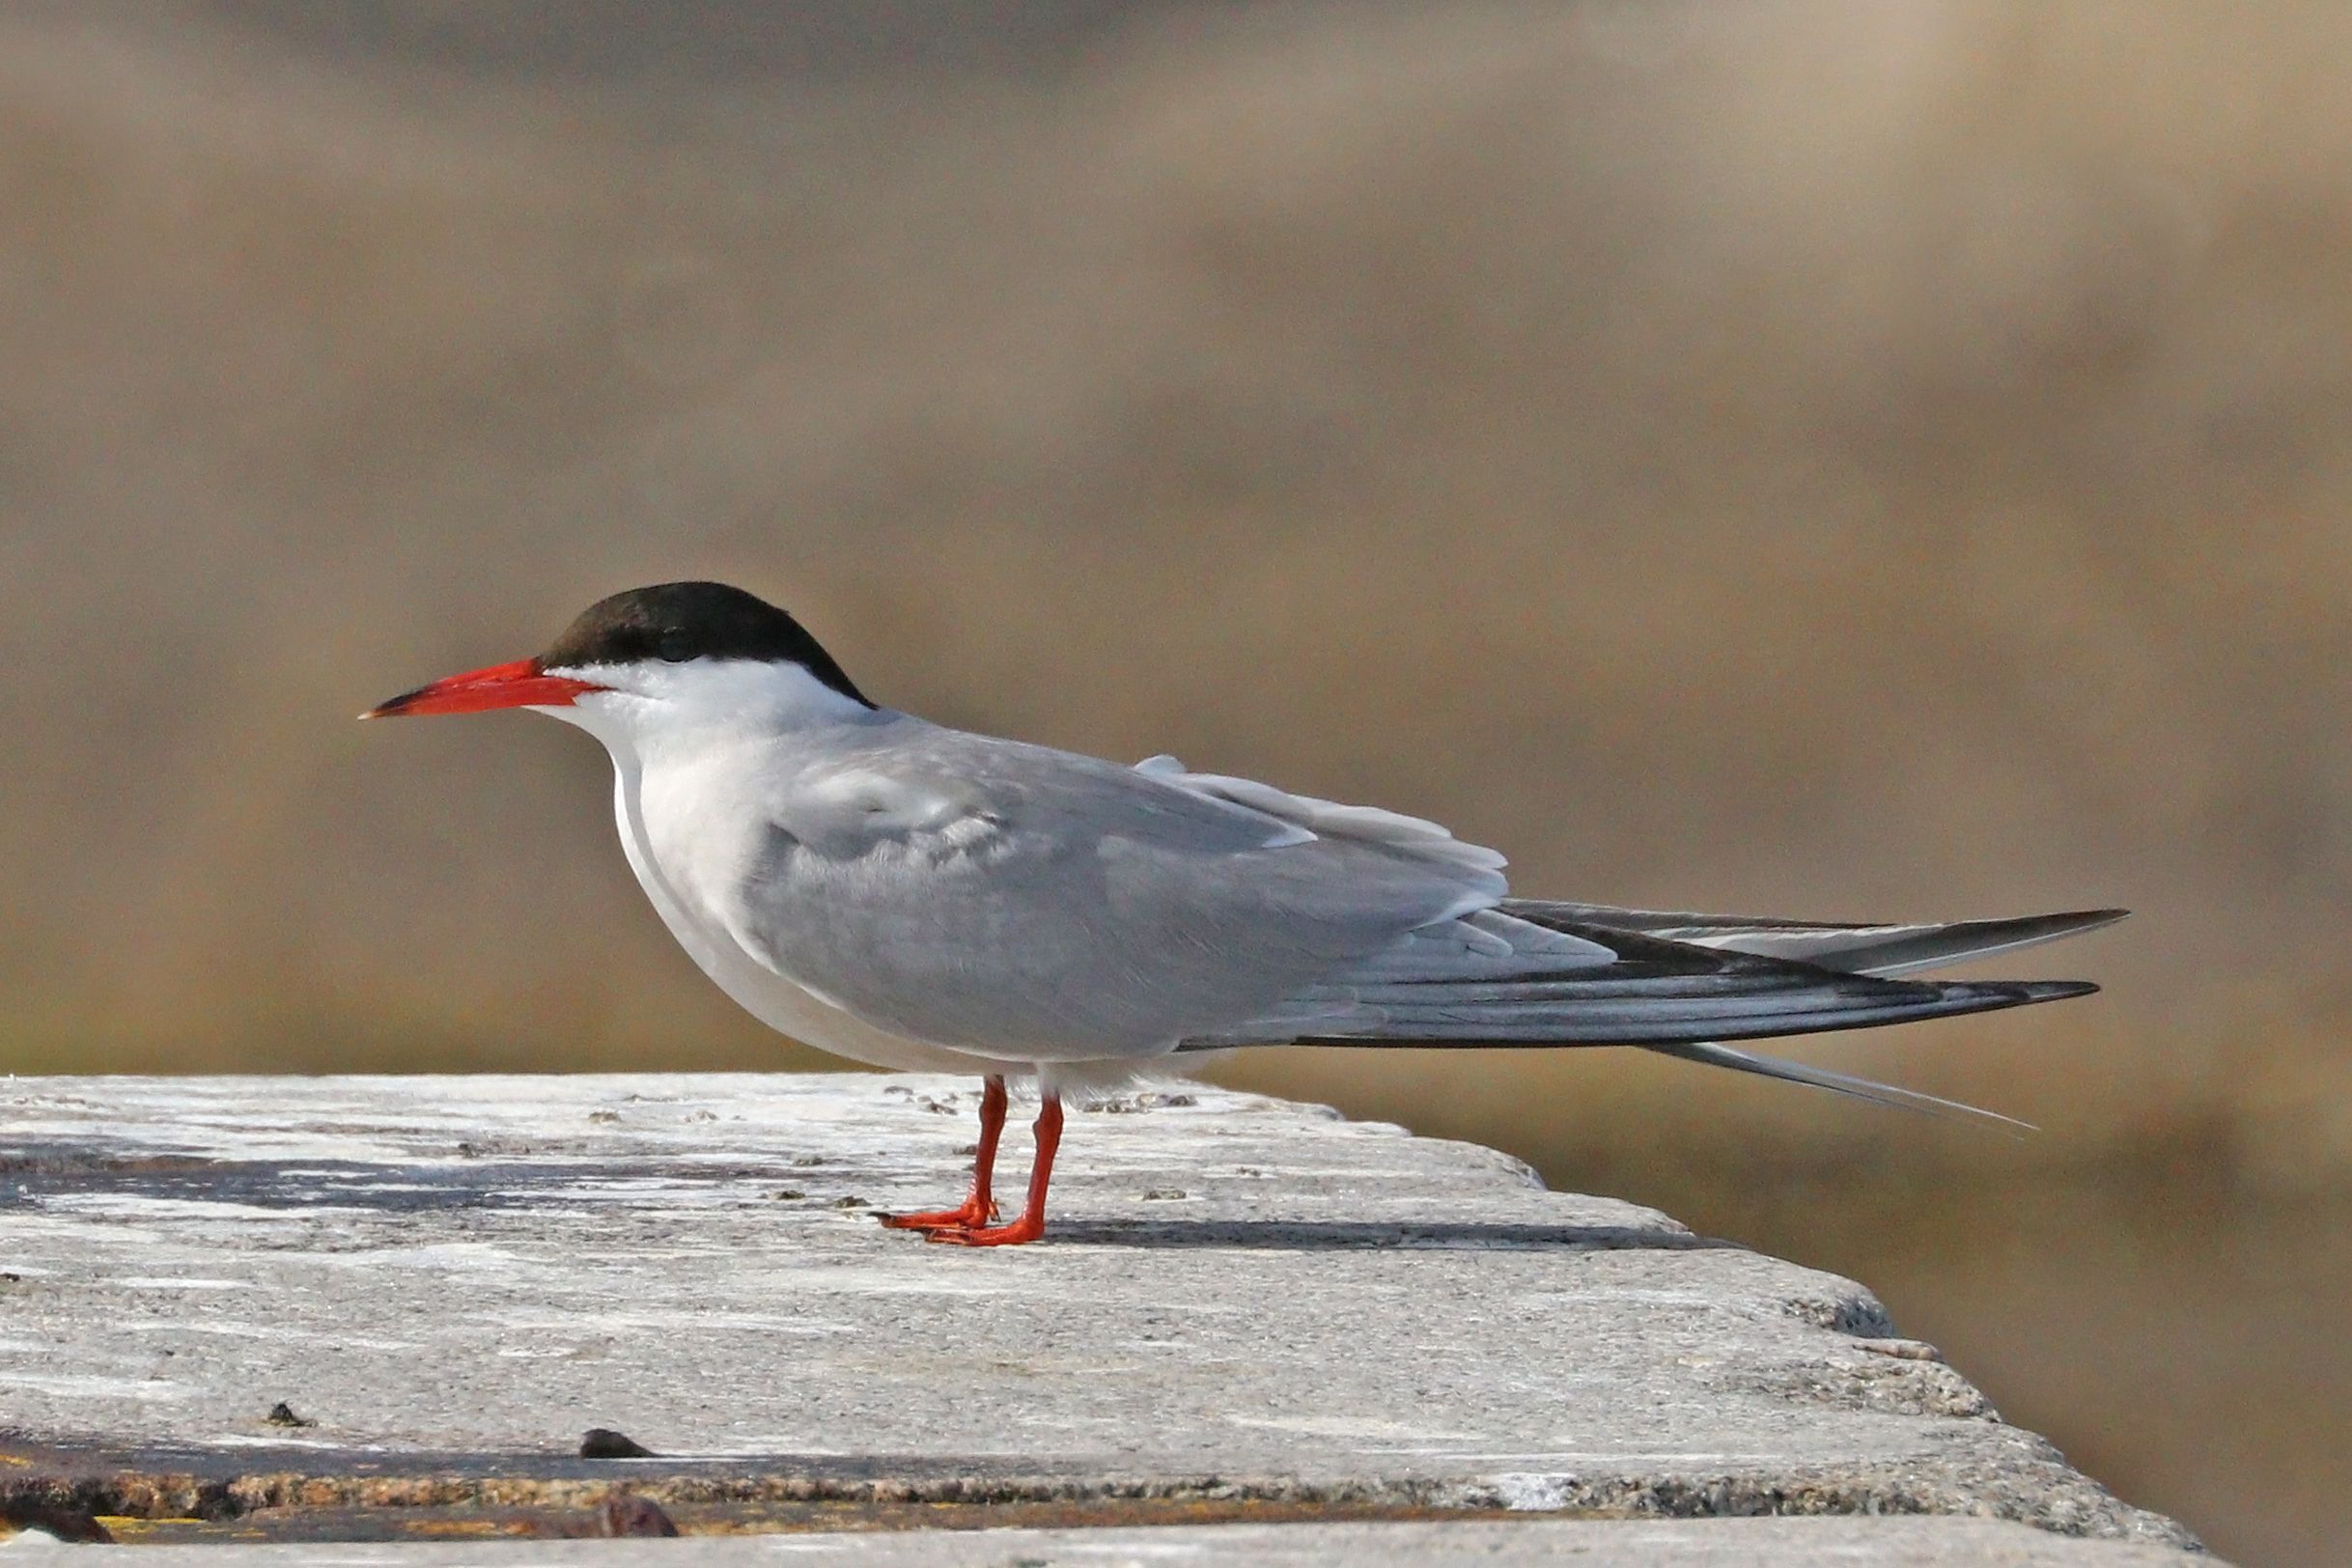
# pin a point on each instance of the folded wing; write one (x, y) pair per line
(1020, 903)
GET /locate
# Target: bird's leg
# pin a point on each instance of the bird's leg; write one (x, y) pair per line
(979, 1208)
(1032, 1221)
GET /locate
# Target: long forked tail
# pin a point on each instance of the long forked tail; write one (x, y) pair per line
(1533, 973)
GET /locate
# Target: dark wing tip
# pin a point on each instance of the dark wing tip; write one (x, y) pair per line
(2053, 990)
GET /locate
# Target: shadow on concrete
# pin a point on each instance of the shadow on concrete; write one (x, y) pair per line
(1338, 1235)
(473, 1177)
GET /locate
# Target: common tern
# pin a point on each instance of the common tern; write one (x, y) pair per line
(921, 898)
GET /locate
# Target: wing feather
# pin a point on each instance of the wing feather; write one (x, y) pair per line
(1879, 948)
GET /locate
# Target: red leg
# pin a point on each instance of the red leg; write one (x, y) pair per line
(1032, 1221)
(979, 1208)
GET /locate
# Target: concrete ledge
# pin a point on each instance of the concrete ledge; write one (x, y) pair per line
(1247, 1311)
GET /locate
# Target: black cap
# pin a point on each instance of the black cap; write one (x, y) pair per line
(676, 622)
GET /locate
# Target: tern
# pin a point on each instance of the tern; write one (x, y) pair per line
(920, 898)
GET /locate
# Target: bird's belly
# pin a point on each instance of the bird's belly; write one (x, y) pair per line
(795, 1010)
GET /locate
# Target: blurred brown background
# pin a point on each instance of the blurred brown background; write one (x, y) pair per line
(1835, 460)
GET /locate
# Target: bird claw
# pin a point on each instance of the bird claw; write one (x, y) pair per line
(967, 1218)
(1012, 1235)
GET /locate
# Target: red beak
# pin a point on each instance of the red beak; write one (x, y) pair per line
(520, 685)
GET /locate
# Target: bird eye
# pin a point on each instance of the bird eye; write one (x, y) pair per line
(673, 648)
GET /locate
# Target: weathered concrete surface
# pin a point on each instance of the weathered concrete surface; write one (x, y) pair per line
(1713, 1543)
(1245, 1309)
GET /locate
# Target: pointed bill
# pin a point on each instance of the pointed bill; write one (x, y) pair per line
(522, 684)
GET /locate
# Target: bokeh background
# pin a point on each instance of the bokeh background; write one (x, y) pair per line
(1824, 459)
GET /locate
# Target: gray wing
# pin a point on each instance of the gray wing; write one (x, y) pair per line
(1013, 899)
(1019, 902)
